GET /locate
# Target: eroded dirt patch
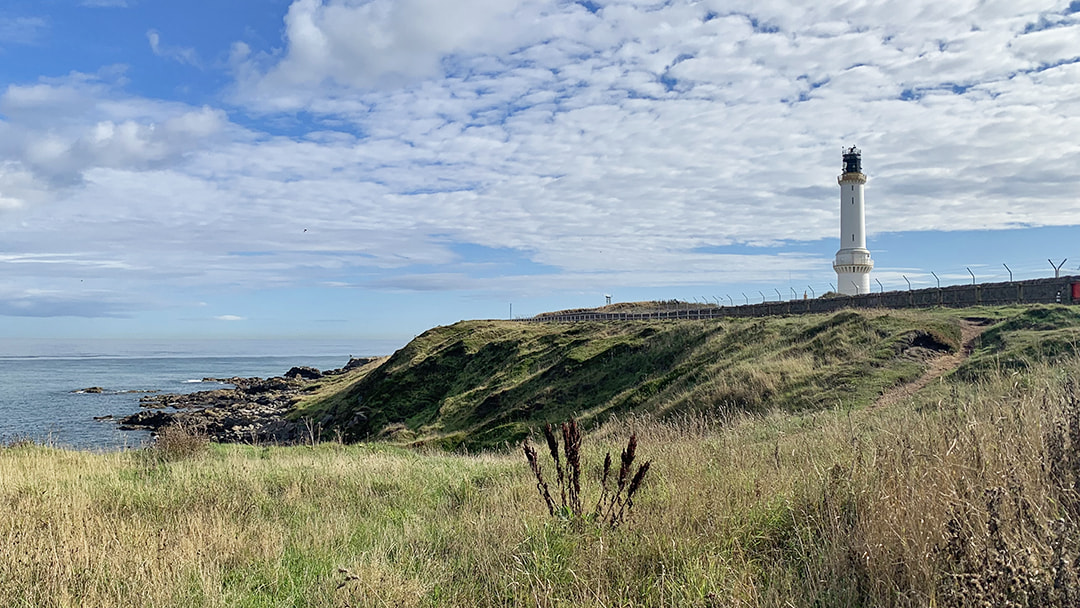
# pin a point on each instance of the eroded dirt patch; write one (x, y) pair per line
(925, 346)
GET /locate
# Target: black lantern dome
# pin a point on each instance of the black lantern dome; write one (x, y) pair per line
(853, 160)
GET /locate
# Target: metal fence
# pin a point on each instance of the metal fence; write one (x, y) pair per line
(1061, 290)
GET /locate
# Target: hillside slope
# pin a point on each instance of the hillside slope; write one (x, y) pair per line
(481, 383)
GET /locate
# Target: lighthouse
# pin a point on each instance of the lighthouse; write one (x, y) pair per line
(853, 263)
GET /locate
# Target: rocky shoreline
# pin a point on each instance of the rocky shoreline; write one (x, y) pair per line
(255, 410)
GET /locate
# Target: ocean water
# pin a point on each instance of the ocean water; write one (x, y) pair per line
(41, 396)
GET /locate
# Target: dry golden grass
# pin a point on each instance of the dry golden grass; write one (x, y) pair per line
(964, 495)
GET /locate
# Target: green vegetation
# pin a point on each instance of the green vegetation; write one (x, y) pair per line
(480, 384)
(1030, 336)
(964, 493)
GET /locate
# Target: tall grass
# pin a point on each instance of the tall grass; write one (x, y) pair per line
(966, 495)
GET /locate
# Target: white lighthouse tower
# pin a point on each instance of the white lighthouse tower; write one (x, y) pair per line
(853, 263)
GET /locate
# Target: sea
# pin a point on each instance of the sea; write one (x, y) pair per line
(43, 396)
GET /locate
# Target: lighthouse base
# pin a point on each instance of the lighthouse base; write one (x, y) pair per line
(853, 268)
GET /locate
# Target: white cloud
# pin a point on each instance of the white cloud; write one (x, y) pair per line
(18, 186)
(1057, 43)
(185, 55)
(380, 43)
(21, 30)
(106, 3)
(661, 269)
(229, 318)
(23, 302)
(59, 129)
(65, 258)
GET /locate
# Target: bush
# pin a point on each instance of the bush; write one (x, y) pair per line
(180, 442)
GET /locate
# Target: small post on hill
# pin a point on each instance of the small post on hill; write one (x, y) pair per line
(972, 275)
(908, 282)
(880, 286)
(1009, 269)
(936, 278)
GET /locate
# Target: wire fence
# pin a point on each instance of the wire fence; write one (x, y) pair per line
(1058, 290)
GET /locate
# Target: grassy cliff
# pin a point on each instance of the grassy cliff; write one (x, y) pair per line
(482, 383)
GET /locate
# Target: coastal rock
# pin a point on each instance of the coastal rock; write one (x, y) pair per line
(354, 362)
(97, 390)
(254, 411)
(304, 373)
(201, 399)
(153, 421)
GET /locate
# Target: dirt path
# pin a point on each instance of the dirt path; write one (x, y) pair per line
(969, 331)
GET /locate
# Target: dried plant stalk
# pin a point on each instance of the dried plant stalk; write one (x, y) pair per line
(572, 447)
(611, 506)
(553, 449)
(628, 502)
(541, 485)
(603, 486)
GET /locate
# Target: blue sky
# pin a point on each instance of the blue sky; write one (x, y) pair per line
(366, 169)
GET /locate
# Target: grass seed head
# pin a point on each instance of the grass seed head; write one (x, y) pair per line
(552, 443)
(627, 460)
(638, 477)
(541, 485)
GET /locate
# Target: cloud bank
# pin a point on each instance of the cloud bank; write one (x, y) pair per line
(629, 141)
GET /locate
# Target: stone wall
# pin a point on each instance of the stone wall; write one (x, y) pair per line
(1035, 291)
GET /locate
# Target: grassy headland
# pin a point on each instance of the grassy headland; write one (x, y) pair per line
(961, 494)
(480, 384)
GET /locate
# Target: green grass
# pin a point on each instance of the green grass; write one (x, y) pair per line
(1030, 336)
(235, 526)
(479, 384)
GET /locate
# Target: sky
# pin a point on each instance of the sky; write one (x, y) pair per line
(367, 169)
